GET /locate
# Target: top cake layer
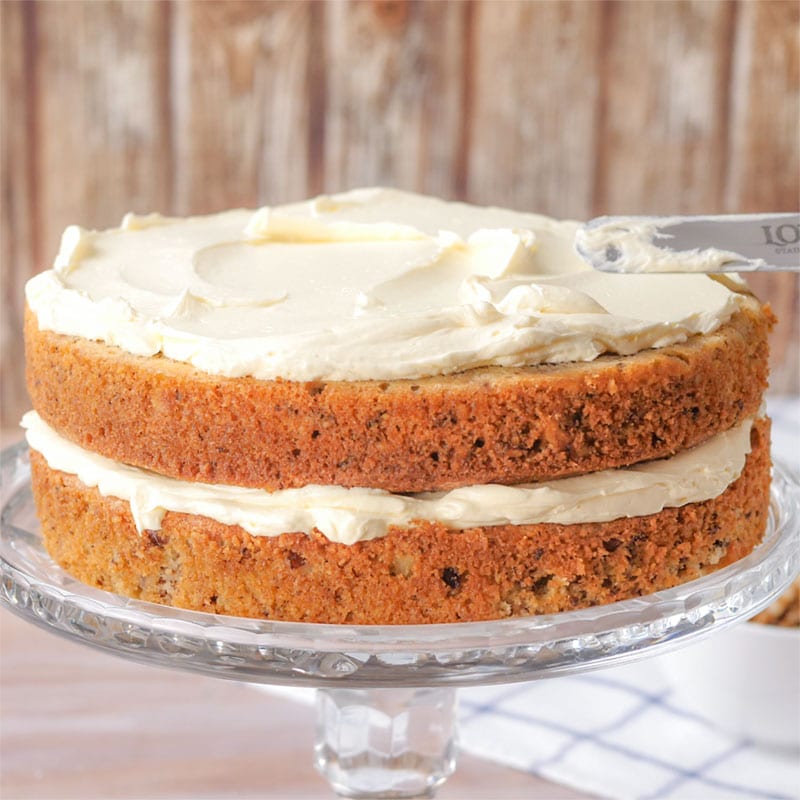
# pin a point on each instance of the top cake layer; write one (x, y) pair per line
(373, 284)
(379, 339)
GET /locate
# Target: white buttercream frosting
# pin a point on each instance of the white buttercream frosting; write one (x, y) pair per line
(352, 515)
(369, 284)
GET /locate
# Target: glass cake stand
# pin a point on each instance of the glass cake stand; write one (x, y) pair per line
(386, 702)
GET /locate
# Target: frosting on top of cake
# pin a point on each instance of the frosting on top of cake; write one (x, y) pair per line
(351, 515)
(368, 284)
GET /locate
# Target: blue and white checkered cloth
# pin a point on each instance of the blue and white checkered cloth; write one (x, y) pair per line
(621, 732)
(616, 733)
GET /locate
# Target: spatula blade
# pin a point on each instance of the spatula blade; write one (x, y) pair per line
(733, 243)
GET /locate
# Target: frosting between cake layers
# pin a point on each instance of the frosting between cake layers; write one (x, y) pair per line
(369, 284)
(351, 515)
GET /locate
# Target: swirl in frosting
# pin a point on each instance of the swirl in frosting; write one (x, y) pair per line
(369, 284)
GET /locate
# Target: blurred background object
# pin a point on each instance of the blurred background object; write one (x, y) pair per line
(572, 109)
(785, 611)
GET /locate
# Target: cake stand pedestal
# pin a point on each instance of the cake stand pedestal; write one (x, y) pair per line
(386, 742)
(387, 694)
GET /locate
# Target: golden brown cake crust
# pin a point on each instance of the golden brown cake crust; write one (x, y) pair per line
(425, 574)
(490, 425)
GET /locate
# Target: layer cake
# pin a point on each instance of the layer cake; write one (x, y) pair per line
(379, 407)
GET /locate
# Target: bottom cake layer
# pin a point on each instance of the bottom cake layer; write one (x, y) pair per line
(424, 574)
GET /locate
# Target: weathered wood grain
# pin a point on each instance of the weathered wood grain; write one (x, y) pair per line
(103, 136)
(394, 74)
(18, 249)
(665, 77)
(765, 110)
(764, 172)
(535, 84)
(241, 102)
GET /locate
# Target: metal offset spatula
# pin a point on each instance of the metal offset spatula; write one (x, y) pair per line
(734, 243)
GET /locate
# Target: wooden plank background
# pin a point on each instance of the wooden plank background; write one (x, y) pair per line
(569, 108)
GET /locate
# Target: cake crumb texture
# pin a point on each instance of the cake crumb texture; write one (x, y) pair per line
(488, 425)
(424, 574)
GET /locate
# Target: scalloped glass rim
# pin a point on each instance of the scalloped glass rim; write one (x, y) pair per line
(520, 648)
